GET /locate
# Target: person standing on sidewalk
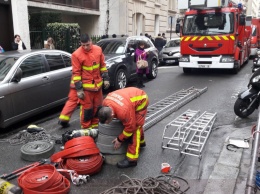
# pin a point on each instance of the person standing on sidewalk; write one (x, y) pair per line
(18, 43)
(141, 54)
(89, 73)
(129, 105)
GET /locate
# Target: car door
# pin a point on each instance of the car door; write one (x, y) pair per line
(131, 58)
(60, 72)
(32, 92)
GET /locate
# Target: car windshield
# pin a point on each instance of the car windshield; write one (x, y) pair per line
(209, 24)
(112, 46)
(173, 43)
(5, 66)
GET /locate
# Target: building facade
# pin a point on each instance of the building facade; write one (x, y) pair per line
(135, 17)
(96, 17)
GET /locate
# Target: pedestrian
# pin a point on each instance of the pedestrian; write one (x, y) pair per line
(50, 43)
(114, 36)
(151, 38)
(129, 105)
(159, 42)
(18, 43)
(165, 39)
(89, 73)
(141, 54)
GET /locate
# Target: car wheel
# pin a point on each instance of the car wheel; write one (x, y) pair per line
(186, 70)
(121, 79)
(153, 71)
(236, 68)
(161, 63)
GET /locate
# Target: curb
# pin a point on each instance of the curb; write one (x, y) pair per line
(226, 172)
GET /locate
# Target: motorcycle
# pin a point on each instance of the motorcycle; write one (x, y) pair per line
(248, 100)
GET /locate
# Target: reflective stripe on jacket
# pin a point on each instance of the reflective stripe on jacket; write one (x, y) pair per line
(126, 103)
(88, 66)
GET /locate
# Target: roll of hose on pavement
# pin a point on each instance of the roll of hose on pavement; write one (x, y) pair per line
(80, 154)
(43, 179)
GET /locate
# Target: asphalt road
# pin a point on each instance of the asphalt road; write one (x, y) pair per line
(219, 98)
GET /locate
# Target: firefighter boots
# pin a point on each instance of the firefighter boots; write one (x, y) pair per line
(126, 163)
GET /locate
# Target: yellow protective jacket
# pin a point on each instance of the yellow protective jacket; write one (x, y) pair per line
(88, 67)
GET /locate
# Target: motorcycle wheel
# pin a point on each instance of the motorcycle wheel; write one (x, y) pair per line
(240, 107)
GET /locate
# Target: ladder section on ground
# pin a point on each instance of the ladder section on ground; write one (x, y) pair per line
(174, 131)
(196, 135)
(170, 104)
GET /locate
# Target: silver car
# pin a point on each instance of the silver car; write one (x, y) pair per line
(32, 82)
(171, 52)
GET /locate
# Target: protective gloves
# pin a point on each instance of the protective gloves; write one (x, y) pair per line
(81, 94)
(80, 91)
(106, 84)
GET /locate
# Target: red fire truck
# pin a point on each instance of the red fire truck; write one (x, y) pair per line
(255, 39)
(214, 34)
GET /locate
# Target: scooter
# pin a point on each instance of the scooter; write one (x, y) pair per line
(248, 100)
(256, 64)
(256, 61)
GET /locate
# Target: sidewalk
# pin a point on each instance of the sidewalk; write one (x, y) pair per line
(232, 167)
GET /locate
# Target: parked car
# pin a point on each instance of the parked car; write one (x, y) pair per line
(120, 59)
(170, 53)
(32, 82)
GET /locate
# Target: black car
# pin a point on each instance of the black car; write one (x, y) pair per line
(120, 59)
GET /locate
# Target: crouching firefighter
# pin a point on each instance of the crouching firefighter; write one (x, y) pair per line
(89, 73)
(129, 105)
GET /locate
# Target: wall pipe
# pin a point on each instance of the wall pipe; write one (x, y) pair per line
(250, 184)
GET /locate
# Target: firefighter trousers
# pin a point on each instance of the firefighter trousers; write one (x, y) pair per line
(133, 148)
(88, 109)
(69, 106)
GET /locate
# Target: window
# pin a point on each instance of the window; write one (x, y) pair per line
(55, 61)
(5, 66)
(171, 21)
(172, 4)
(67, 60)
(32, 66)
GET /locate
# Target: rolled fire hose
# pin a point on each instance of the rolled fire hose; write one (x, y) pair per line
(43, 179)
(87, 165)
(76, 147)
(80, 154)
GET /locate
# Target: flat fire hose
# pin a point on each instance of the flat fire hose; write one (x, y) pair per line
(43, 179)
(80, 154)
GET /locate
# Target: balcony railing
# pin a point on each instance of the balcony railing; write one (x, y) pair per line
(81, 4)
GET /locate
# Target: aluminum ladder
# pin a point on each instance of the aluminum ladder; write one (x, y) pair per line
(174, 132)
(196, 135)
(170, 104)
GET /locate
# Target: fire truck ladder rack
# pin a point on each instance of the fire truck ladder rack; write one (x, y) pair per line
(170, 104)
(174, 131)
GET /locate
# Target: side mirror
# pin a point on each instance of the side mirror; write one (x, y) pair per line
(130, 51)
(18, 75)
(178, 28)
(242, 20)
